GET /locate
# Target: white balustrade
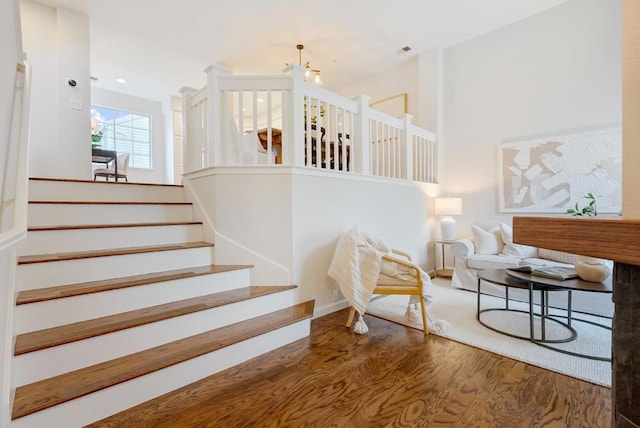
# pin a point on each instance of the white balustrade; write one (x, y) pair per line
(268, 120)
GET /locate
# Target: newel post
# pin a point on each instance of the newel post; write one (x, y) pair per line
(293, 119)
(407, 143)
(188, 151)
(215, 122)
(363, 137)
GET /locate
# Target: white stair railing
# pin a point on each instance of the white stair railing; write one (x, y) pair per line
(14, 163)
(281, 120)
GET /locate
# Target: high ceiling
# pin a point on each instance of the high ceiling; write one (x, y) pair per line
(158, 46)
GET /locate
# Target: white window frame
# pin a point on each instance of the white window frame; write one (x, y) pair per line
(132, 162)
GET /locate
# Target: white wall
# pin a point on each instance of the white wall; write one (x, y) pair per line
(158, 172)
(287, 221)
(631, 108)
(556, 71)
(325, 206)
(56, 42)
(11, 53)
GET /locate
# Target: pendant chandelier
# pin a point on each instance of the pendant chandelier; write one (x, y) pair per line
(310, 74)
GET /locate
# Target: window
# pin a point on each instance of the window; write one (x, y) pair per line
(124, 132)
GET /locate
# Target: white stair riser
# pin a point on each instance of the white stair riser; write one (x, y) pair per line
(41, 275)
(106, 402)
(37, 365)
(61, 241)
(82, 214)
(53, 313)
(40, 190)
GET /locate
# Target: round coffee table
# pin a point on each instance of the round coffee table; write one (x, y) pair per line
(501, 277)
(514, 279)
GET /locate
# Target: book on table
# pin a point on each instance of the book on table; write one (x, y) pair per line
(552, 272)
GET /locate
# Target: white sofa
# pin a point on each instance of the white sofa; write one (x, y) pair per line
(492, 247)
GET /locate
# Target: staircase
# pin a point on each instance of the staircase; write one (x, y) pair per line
(119, 302)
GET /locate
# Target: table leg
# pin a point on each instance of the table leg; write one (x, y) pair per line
(506, 295)
(531, 329)
(543, 314)
(478, 307)
(569, 308)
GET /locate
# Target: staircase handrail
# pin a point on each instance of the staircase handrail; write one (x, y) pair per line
(15, 179)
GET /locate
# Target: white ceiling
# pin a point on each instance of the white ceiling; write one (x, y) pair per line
(158, 46)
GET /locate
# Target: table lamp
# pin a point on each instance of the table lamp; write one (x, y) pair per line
(447, 207)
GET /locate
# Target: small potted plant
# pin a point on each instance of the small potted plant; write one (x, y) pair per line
(589, 210)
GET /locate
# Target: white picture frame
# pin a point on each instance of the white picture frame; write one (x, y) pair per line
(395, 105)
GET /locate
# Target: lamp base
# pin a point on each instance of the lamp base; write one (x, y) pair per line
(448, 228)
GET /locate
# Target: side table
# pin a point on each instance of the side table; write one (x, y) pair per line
(444, 272)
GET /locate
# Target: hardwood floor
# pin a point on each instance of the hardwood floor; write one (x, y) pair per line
(393, 376)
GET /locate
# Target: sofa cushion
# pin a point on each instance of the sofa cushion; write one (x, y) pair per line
(487, 241)
(558, 256)
(492, 261)
(511, 249)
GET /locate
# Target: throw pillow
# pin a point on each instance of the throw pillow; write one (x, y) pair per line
(487, 241)
(517, 250)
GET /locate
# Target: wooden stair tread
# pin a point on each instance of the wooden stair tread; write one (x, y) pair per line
(41, 339)
(56, 257)
(75, 180)
(59, 389)
(62, 291)
(108, 226)
(111, 202)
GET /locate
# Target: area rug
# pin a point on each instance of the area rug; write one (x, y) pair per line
(458, 307)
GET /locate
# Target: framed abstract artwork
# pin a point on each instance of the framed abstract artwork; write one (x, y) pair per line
(551, 174)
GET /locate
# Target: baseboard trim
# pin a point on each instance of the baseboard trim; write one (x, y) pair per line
(330, 308)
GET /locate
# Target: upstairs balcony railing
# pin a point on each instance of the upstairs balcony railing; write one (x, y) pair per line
(281, 120)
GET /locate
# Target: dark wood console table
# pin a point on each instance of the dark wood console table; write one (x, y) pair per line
(617, 240)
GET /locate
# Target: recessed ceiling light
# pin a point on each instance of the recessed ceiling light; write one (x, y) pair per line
(260, 100)
(121, 80)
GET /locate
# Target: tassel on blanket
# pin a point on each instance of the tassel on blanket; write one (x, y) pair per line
(360, 327)
(439, 326)
(411, 315)
(436, 326)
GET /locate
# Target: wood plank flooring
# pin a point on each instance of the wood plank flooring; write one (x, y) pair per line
(392, 377)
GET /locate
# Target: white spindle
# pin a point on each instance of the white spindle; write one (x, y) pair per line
(318, 133)
(307, 135)
(269, 128)
(376, 142)
(407, 147)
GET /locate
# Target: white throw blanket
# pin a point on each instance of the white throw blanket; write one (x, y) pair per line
(356, 266)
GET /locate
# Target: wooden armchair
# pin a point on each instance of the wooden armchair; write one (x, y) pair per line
(392, 285)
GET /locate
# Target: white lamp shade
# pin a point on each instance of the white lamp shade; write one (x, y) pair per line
(448, 206)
